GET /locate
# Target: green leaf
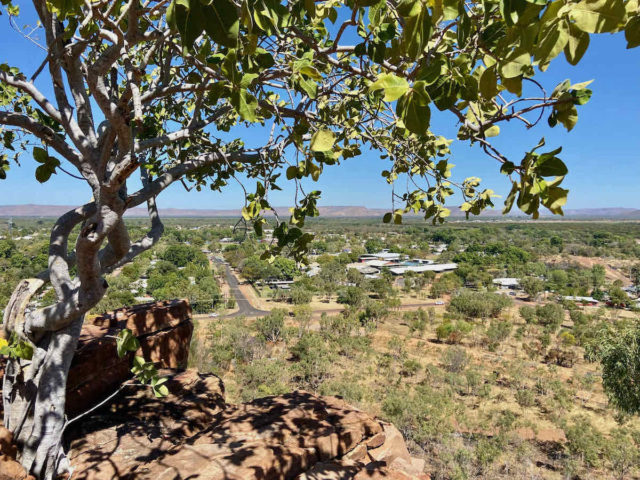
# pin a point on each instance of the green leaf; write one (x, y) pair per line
(568, 118)
(555, 199)
(515, 64)
(492, 131)
(632, 32)
(552, 41)
(513, 85)
(489, 83)
(23, 350)
(508, 203)
(323, 140)
(394, 87)
(245, 104)
(40, 155)
(413, 109)
(550, 166)
(417, 30)
(576, 46)
(221, 21)
(160, 391)
(597, 16)
(126, 342)
(511, 10)
(450, 9)
(292, 172)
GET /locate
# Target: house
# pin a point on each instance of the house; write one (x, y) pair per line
(314, 269)
(385, 255)
(581, 300)
(434, 267)
(507, 283)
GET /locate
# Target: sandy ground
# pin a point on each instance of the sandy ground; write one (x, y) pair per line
(613, 267)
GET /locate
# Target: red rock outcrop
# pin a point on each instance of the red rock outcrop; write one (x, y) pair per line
(193, 435)
(164, 330)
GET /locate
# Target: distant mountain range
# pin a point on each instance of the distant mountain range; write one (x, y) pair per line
(33, 210)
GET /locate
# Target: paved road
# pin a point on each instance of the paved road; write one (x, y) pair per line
(244, 306)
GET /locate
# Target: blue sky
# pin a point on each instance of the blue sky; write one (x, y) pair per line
(602, 151)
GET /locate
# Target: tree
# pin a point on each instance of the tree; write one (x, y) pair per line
(635, 275)
(352, 296)
(479, 304)
(373, 245)
(153, 88)
(271, 327)
(532, 286)
(618, 350)
(618, 297)
(598, 275)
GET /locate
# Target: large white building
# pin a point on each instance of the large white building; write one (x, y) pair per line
(434, 267)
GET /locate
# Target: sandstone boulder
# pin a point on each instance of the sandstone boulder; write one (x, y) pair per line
(294, 436)
(164, 330)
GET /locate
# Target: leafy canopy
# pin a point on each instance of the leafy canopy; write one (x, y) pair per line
(331, 79)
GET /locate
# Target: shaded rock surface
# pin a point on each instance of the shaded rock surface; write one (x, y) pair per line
(193, 435)
(164, 330)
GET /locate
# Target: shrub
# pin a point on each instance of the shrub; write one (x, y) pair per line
(528, 313)
(525, 397)
(562, 358)
(479, 304)
(300, 296)
(455, 359)
(302, 314)
(497, 332)
(417, 321)
(584, 441)
(271, 327)
(353, 296)
(617, 349)
(567, 338)
(410, 368)
(623, 452)
(453, 331)
(351, 391)
(313, 359)
(551, 315)
(422, 415)
(263, 377)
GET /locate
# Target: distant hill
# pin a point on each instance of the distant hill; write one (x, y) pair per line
(34, 210)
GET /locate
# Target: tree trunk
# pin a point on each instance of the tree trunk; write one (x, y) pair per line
(34, 401)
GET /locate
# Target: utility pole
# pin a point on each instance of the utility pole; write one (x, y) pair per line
(11, 228)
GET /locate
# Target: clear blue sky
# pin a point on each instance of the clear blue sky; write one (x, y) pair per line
(602, 151)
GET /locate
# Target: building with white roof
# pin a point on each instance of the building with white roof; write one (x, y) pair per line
(434, 267)
(507, 282)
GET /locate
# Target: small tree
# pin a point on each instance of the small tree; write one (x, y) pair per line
(271, 327)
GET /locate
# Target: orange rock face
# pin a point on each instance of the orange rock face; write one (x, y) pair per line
(193, 435)
(164, 330)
